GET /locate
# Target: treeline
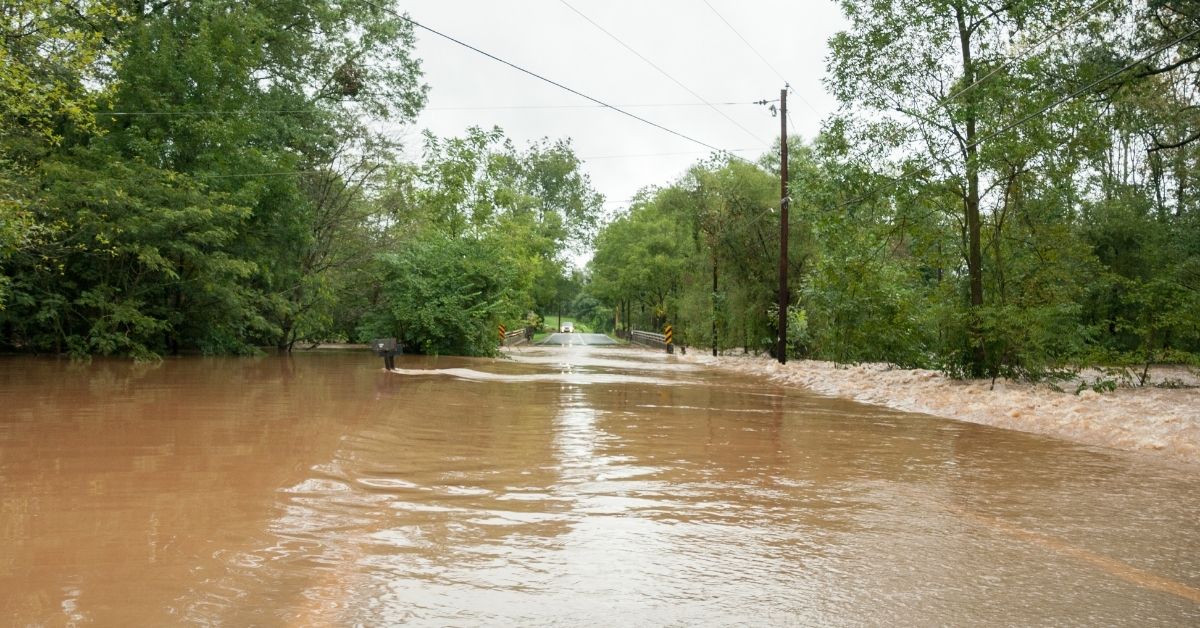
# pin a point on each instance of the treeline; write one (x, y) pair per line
(217, 176)
(1007, 190)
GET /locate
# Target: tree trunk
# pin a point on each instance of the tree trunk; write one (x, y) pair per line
(284, 345)
(714, 313)
(971, 202)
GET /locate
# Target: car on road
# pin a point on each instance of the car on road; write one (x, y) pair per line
(567, 327)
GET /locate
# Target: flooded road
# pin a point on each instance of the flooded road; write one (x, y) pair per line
(568, 486)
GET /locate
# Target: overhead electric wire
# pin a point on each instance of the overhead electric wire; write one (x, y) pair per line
(543, 78)
(635, 155)
(628, 106)
(210, 112)
(759, 54)
(242, 175)
(227, 112)
(1074, 94)
(1079, 91)
(619, 109)
(1071, 96)
(1020, 57)
(660, 70)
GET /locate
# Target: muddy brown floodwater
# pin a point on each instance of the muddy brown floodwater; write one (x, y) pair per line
(572, 486)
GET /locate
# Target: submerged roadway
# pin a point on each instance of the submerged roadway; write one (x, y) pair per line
(559, 485)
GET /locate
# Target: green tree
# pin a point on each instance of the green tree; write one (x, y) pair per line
(248, 119)
(519, 212)
(445, 295)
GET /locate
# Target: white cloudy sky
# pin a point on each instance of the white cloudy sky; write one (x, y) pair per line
(683, 37)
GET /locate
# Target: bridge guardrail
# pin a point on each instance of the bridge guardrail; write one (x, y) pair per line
(648, 338)
(514, 337)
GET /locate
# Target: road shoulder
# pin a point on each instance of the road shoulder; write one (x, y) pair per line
(1163, 423)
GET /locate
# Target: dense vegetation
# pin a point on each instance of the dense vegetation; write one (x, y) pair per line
(212, 176)
(1008, 189)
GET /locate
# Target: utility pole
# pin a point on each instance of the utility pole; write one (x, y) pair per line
(783, 227)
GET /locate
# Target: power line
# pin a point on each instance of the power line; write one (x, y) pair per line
(255, 175)
(214, 112)
(1079, 91)
(895, 181)
(1086, 13)
(660, 70)
(237, 112)
(636, 155)
(292, 173)
(1030, 50)
(540, 77)
(1071, 96)
(759, 54)
(629, 106)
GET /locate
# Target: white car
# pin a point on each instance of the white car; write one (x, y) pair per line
(567, 328)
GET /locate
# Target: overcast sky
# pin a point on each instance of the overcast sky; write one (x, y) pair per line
(683, 37)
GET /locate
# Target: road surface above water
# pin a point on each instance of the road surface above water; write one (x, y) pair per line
(565, 486)
(577, 339)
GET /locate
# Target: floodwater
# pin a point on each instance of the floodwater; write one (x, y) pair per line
(568, 486)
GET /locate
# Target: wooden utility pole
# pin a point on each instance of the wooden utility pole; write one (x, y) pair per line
(783, 227)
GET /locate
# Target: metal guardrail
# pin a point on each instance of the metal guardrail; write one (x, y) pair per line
(647, 338)
(664, 340)
(514, 337)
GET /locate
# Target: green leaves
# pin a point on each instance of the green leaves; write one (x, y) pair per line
(198, 179)
(445, 295)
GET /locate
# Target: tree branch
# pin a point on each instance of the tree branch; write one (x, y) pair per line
(1158, 145)
(1154, 71)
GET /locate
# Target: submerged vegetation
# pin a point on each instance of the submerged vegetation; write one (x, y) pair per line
(1005, 191)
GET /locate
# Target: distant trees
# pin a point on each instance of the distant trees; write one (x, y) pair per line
(1008, 188)
(481, 231)
(660, 261)
(1006, 191)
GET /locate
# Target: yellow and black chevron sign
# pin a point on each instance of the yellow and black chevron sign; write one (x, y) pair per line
(669, 334)
(503, 333)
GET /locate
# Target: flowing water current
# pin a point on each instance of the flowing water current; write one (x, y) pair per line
(567, 486)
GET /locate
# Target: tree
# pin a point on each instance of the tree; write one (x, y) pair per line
(244, 122)
(445, 295)
(514, 211)
(941, 68)
(50, 50)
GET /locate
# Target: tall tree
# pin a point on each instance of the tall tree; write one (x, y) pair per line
(944, 69)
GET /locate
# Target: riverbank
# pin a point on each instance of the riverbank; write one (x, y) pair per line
(1158, 421)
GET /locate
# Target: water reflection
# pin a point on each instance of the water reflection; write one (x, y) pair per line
(561, 486)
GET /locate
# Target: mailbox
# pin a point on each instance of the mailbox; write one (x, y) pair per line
(384, 346)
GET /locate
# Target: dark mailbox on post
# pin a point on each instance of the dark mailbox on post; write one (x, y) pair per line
(386, 348)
